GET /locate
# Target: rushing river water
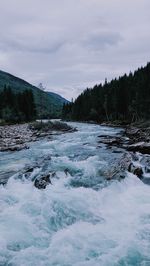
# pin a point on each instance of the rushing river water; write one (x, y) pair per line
(79, 220)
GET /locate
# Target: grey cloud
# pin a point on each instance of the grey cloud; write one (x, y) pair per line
(101, 40)
(72, 44)
(22, 46)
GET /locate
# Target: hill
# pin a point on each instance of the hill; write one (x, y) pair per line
(126, 99)
(57, 98)
(47, 103)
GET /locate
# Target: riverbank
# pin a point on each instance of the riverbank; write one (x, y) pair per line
(17, 137)
(135, 138)
(135, 141)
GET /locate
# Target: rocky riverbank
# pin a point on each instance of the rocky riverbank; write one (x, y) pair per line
(17, 137)
(135, 141)
(139, 138)
(135, 138)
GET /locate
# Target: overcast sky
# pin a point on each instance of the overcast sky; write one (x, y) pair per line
(69, 45)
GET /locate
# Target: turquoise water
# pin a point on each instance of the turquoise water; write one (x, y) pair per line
(80, 219)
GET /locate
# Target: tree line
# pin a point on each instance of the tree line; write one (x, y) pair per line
(16, 107)
(126, 99)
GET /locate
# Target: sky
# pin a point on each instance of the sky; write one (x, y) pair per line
(70, 45)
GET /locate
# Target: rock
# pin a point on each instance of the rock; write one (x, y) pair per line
(111, 141)
(43, 182)
(66, 171)
(118, 168)
(142, 147)
(117, 151)
(132, 131)
(14, 148)
(138, 134)
(136, 170)
(29, 170)
(42, 134)
(126, 163)
(145, 161)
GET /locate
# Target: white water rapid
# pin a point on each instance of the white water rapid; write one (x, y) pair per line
(79, 220)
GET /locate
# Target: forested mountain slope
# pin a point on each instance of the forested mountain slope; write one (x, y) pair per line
(126, 99)
(47, 104)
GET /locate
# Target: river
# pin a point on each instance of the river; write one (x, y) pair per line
(80, 219)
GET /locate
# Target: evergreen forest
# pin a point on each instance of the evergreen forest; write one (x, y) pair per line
(17, 107)
(126, 100)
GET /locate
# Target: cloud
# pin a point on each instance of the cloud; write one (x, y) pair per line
(101, 40)
(71, 44)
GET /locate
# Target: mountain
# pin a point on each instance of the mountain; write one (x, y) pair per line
(126, 99)
(47, 103)
(57, 98)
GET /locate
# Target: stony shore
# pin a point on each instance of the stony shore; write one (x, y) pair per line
(17, 137)
(135, 138)
(135, 141)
